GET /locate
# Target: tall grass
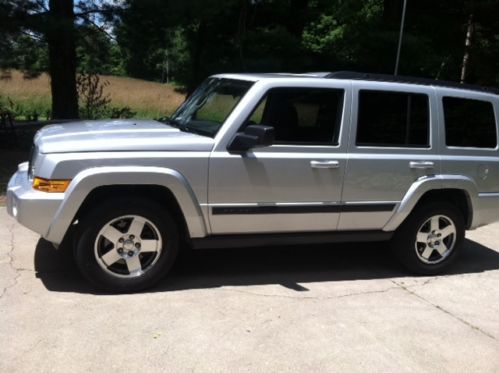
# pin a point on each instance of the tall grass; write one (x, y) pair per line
(146, 99)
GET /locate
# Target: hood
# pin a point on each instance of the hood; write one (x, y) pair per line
(118, 135)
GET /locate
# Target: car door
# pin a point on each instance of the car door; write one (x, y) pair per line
(295, 184)
(392, 144)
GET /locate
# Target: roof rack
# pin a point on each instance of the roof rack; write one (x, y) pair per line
(352, 75)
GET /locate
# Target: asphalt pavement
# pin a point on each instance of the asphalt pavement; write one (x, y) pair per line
(328, 308)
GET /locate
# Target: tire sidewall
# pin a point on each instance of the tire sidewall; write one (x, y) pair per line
(92, 223)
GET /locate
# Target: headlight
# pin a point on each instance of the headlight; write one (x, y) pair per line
(50, 186)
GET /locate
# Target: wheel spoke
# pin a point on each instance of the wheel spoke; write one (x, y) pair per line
(422, 237)
(136, 227)
(112, 234)
(427, 252)
(447, 231)
(111, 257)
(149, 246)
(442, 248)
(133, 264)
(435, 223)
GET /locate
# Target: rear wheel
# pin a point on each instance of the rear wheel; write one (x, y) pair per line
(126, 245)
(430, 239)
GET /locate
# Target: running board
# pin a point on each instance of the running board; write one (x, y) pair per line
(284, 239)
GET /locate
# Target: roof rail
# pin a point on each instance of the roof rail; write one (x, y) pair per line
(352, 75)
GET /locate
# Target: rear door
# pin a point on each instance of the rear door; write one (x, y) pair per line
(392, 144)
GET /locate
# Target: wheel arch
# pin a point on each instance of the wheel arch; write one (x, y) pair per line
(458, 197)
(165, 186)
(458, 190)
(157, 193)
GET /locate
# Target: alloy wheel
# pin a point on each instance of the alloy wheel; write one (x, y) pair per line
(435, 239)
(128, 246)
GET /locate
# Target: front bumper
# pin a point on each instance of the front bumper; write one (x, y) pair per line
(31, 208)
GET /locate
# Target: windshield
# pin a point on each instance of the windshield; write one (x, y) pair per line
(208, 107)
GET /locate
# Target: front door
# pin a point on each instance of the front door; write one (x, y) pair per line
(294, 185)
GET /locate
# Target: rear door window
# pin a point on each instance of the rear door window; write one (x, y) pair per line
(393, 119)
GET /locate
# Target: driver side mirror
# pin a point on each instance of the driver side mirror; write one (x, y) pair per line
(253, 136)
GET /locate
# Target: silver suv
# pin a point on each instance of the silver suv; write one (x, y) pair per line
(262, 159)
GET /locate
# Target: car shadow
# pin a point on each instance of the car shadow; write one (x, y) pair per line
(292, 267)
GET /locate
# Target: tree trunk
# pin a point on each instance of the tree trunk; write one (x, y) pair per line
(62, 59)
(467, 48)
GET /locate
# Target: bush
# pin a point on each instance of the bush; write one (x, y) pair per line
(121, 112)
(93, 103)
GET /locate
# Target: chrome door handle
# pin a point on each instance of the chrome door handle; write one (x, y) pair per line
(423, 165)
(324, 164)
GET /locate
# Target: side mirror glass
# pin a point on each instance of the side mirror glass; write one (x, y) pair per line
(254, 136)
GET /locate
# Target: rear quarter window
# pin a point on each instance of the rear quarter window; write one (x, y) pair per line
(469, 123)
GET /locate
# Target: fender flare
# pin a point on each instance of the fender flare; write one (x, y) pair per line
(426, 184)
(88, 180)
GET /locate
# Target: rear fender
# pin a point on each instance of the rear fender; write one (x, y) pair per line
(426, 184)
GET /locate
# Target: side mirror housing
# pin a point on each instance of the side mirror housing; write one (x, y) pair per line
(254, 136)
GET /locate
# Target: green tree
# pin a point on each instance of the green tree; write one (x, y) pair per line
(56, 23)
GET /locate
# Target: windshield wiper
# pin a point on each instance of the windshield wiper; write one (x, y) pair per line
(186, 128)
(169, 121)
(181, 126)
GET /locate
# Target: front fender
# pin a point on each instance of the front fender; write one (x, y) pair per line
(426, 184)
(92, 178)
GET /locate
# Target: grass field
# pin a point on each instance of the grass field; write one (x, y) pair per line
(147, 99)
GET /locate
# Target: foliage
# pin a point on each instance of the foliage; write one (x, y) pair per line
(94, 103)
(27, 54)
(31, 110)
(301, 35)
(184, 41)
(121, 112)
(97, 53)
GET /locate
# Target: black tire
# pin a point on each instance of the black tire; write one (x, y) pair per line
(406, 248)
(89, 227)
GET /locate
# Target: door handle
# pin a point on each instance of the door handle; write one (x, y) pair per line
(422, 165)
(324, 164)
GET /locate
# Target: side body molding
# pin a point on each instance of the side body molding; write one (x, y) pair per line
(426, 184)
(92, 178)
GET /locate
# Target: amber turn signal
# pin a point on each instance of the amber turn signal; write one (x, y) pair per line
(50, 186)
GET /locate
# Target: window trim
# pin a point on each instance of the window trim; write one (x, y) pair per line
(427, 146)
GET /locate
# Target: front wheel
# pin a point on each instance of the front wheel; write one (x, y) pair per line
(126, 245)
(430, 239)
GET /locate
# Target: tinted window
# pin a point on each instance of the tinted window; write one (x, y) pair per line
(301, 115)
(469, 123)
(394, 119)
